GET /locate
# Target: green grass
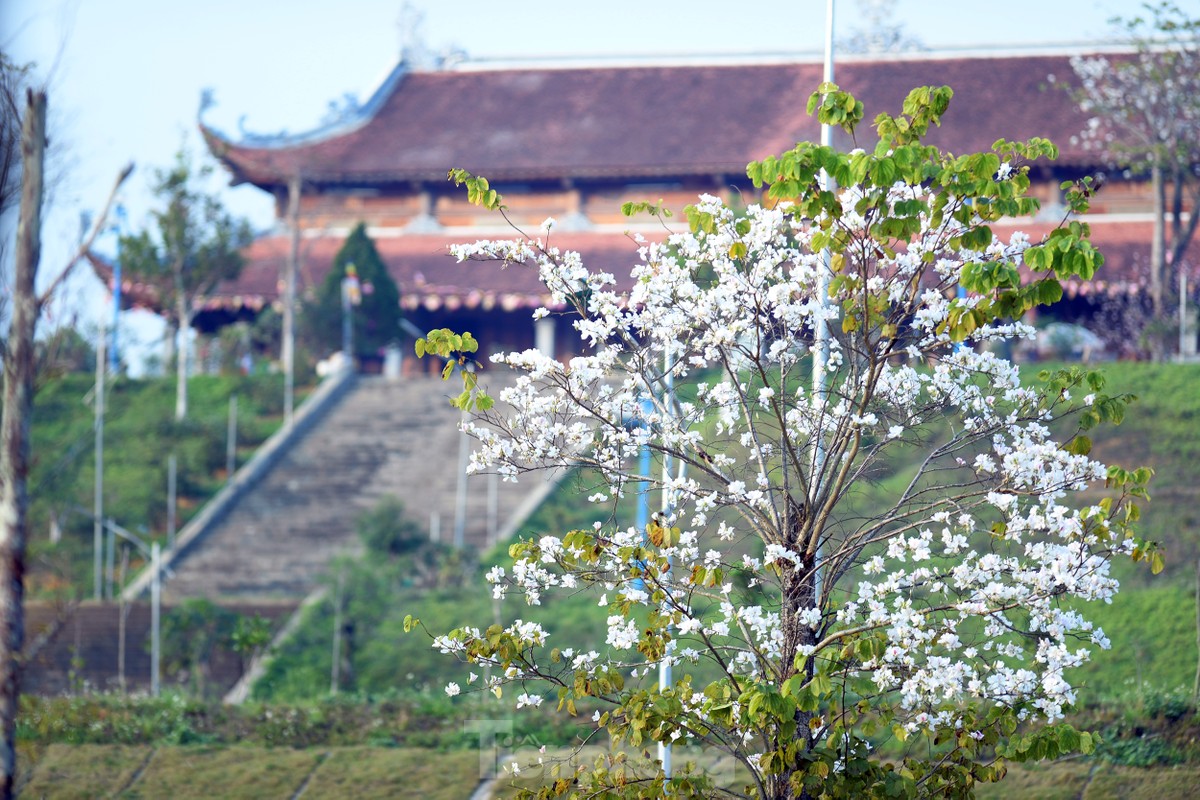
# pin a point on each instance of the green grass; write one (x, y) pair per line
(1162, 431)
(1062, 780)
(84, 771)
(372, 772)
(140, 432)
(1151, 623)
(235, 773)
(1131, 783)
(387, 659)
(537, 767)
(64, 772)
(1153, 634)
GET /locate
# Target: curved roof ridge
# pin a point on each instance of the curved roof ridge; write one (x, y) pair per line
(356, 120)
(572, 62)
(679, 121)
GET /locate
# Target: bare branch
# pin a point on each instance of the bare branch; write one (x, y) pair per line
(86, 245)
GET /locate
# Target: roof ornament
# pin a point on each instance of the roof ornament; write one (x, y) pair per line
(279, 139)
(879, 35)
(208, 99)
(342, 110)
(414, 52)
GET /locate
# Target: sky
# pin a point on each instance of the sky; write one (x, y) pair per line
(125, 77)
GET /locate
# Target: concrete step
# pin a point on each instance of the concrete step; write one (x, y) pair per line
(382, 438)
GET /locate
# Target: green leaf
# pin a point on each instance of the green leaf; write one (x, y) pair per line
(1079, 446)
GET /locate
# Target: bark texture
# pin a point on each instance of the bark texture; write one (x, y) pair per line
(14, 431)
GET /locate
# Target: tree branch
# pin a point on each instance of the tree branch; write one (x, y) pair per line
(86, 244)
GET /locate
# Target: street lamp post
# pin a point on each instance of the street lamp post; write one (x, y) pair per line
(351, 296)
(98, 489)
(113, 354)
(154, 553)
(820, 388)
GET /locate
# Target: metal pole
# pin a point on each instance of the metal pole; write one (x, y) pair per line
(347, 325)
(155, 619)
(114, 355)
(335, 668)
(643, 504)
(668, 504)
(110, 558)
(821, 333)
(351, 296)
(460, 495)
(289, 302)
(171, 468)
(231, 440)
(493, 509)
(642, 518)
(98, 499)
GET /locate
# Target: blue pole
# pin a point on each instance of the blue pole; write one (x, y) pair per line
(643, 504)
(643, 493)
(961, 294)
(114, 359)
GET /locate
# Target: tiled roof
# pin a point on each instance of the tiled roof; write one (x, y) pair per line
(643, 122)
(422, 267)
(428, 277)
(134, 293)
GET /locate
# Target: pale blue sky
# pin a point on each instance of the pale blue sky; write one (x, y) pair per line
(125, 76)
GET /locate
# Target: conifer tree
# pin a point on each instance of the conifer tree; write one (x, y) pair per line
(376, 318)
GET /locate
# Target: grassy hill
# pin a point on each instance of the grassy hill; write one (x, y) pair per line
(1151, 623)
(1137, 694)
(140, 432)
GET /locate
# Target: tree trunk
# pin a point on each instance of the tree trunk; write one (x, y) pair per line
(1158, 264)
(1156, 338)
(799, 593)
(14, 431)
(181, 361)
(1180, 238)
(168, 350)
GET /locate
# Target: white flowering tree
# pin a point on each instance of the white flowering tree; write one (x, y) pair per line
(904, 548)
(1145, 118)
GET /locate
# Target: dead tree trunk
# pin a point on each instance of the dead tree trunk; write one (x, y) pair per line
(14, 431)
(15, 418)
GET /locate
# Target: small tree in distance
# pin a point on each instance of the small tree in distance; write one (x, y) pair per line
(1146, 119)
(192, 246)
(886, 555)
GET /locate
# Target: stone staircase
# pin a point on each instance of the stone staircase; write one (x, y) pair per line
(381, 437)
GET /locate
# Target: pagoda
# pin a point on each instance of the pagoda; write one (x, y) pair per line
(575, 142)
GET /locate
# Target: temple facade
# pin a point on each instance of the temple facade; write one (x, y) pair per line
(575, 143)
